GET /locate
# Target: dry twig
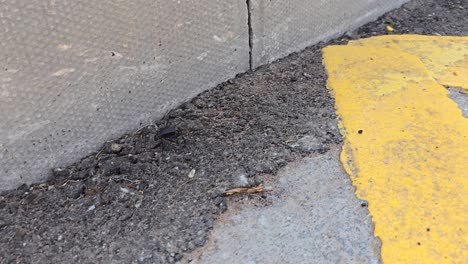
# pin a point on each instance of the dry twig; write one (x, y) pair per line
(259, 188)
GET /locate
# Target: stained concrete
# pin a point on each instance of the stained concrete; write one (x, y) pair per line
(314, 217)
(282, 27)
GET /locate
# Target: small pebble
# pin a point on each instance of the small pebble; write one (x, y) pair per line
(192, 173)
(138, 204)
(167, 132)
(124, 190)
(116, 148)
(243, 181)
(60, 172)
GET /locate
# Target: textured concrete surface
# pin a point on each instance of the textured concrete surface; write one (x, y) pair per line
(77, 73)
(314, 217)
(282, 27)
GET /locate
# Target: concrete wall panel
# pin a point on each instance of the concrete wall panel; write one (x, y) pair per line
(281, 27)
(76, 73)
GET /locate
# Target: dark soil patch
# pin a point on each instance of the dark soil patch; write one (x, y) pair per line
(424, 17)
(134, 201)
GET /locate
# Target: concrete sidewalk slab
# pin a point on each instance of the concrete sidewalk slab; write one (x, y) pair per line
(313, 217)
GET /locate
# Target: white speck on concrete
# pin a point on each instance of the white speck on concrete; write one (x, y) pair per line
(64, 46)
(219, 39)
(202, 56)
(64, 71)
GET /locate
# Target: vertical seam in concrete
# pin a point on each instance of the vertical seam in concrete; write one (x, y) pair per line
(249, 24)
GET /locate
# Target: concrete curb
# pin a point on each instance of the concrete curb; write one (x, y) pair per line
(75, 74)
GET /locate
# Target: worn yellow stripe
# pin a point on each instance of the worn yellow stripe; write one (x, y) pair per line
(406, 149)
(446, 57)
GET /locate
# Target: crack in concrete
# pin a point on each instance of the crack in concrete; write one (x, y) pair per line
(249, 24)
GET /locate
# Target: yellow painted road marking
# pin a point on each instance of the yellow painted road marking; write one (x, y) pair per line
(406, 149)
(445, 57)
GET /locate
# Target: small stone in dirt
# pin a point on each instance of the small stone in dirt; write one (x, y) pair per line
(243, 181)
(192, 173)
(167, 132)
(190, 245)
(60, 172)
(199, 103)
(265, 167)
(219, 200)
(23, 188)
(308, 144)
(115, 148)
(418, 30)
(178, 256)
(200, 240)
(76, 191)
(20, 232)
(125, 217)
(352, 34)
(222, 207)
(124, 190)
(138, 204)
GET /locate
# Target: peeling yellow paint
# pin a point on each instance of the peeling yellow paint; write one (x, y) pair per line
(406, 149)
(445, 57)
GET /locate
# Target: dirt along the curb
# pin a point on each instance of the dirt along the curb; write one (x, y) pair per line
(150, 198)
(134, 200)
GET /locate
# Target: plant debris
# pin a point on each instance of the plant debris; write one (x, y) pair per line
(257, 189)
